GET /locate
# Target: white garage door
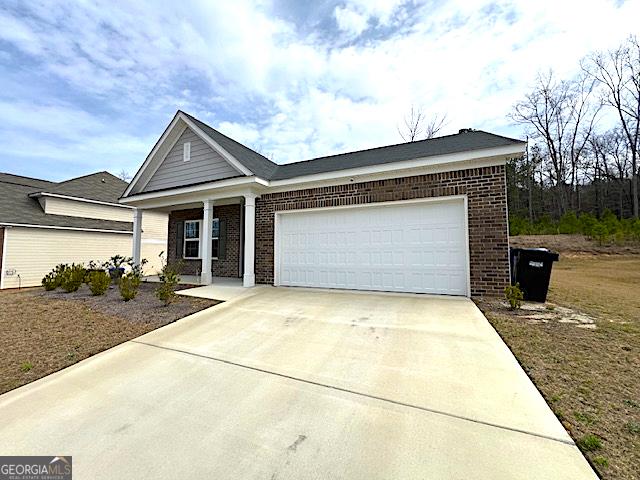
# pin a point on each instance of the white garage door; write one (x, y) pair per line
(397, 247)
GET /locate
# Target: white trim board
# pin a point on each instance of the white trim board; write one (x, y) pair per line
(52, 227)
(450, 198)
(77, 199)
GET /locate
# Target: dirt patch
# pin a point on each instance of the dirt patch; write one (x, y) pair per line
(573, 245)
(43, 332)
(582, 350)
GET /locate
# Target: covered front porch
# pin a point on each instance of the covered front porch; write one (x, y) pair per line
(211, 238)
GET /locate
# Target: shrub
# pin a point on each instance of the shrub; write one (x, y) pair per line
(169, 277)
(514, 296)
(72, 278)
(600, 233)
(99, 282)
(116, 265)
(128, 286)
(569, 223)
(49, 282)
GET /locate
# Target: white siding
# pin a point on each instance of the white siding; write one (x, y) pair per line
(33, 252)
(204, 165)
(154, 239)
(74, 208)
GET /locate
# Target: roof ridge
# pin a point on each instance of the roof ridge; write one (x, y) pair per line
(393, 145)
(24, 176)
(85, 176)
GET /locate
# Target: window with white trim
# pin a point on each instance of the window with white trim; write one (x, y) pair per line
(191, 248)
(186, 151)
(215, 238)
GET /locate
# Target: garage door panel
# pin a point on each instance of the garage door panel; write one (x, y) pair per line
(416, 247)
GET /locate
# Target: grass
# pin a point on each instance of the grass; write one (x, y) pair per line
(54, 331)
(590, 378)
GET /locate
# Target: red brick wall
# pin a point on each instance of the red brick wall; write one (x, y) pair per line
(487, 205)
(227, 267)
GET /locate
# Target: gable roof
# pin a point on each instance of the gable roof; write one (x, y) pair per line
(100, 186)
(19, 206)
(262, 167)
(253, 163)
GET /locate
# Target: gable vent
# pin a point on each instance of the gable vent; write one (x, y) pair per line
(186, 152)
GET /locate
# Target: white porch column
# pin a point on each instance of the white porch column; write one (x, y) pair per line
(205, 248)
(249, 278)
(137, 235)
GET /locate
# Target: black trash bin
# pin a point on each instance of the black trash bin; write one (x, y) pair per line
(531, 268)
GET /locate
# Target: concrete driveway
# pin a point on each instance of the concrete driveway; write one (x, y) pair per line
(292, 383)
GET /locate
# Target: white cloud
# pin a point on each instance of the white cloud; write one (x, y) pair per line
(290, 95)
(350, 20)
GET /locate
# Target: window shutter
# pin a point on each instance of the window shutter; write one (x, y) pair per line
(222, 242)
(179, 239)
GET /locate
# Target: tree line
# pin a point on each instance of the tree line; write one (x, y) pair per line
(584, 140)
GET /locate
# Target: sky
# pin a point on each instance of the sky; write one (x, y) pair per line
(88, 86)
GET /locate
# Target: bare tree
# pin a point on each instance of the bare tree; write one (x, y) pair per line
(561, 117)
(618, 71)
(124, 175)
(434, 125)
(412, 125)
(417, 126)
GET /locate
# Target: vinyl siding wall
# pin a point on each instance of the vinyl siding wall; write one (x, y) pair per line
(205, 165)
(73, 208)
(33, 252)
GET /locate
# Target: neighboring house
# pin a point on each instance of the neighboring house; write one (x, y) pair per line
(45, 223)
(427, 216)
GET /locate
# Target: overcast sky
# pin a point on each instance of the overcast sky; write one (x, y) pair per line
(87, 86)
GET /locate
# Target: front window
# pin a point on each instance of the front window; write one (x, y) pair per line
(192, 239)
(215, 238)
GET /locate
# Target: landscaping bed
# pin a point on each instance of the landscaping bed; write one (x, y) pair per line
(582, 350)
(43, 332)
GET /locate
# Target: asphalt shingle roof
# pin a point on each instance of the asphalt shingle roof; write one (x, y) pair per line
(18, 204)
(261, 166)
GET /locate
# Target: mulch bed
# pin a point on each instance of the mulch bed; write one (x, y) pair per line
(43, 332)
(144, 308)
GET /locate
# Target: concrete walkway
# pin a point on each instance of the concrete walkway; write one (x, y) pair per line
(293, 383)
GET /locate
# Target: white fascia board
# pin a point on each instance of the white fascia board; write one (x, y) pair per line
(77, 199)
(213, 144)
(451, 161)
(53, 227)
(182, 195)
(154, 150)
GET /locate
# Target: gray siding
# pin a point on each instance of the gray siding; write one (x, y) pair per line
(205, 165)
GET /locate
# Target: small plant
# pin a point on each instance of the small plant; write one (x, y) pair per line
(600, 233)
(601, 461)
(26, 366)
(72, 278)
(99, 282)
(589, 443)
(633, 427)
(130, 282)
(169, 278)
(49, 282)
(128, 286)
(116, 266)
(584, 418)
(514, 296)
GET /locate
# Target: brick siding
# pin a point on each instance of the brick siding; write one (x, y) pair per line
(227, 267)
(487, 208)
